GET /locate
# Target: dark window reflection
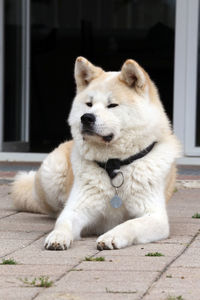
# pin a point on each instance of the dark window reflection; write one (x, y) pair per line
(107, 32)
(13, 70)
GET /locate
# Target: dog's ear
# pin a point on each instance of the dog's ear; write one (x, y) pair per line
(85, 72)
(133, 75)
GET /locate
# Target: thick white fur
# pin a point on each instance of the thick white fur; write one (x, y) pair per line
(136, 122)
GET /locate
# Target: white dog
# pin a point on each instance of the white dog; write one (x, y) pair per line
(116, 175)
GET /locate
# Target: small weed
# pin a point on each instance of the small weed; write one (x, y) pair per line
(154, 254)
(196, 216)
(76, 270)
(175, 190)
(175, 298)
(101, 258)
(42, 281)
(120, 292)
(9, 261)
(169, 276)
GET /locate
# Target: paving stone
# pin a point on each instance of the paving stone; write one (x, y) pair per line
(31, 218)
(6, 213)
(184, 220)
(188, 261)
(105, 281)
(195, 244)
(175, 239)
(8, 246)
(181, 211)
(185, 195)
(140, 250)
(127, 263)
(126, 273)
(15, 235)
(45, 257)
(171, 293)
(19, 281)
(6, 224)
(47, 295)
(32, 270)
(14, 293)
(176, 282)
(184, 229)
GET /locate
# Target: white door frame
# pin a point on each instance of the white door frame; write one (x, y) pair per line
(25, 123)
(22, 144)
(1, 71)
(185, 77)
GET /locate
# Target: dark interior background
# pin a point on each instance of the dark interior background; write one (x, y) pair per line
(198, 91)
(107, 32)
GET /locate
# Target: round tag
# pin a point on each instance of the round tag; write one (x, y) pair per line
(116, 202)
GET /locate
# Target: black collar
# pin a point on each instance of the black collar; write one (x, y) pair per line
(114, 164)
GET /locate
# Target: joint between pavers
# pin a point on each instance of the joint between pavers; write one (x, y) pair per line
(64, 273)
(12, 214)
(169, 264)
(23, 247)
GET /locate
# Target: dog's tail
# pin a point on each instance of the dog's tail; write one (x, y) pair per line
(23, 193)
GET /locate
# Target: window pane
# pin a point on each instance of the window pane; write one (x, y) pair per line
(198, 92)
(13, 70)
(105, 32)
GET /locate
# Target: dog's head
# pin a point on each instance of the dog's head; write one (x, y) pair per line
(119, 109)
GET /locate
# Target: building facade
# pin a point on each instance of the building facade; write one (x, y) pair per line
(39, 41)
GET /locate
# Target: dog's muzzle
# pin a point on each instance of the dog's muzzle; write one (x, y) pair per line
(88, 122)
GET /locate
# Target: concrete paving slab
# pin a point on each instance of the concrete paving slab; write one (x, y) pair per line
(175, 239)
(6, 213)
(52, 257)
(184, 228)
(105, 282)
(18, 293)
(22, 237)
(195, 244)
(15, 235)
(86, 296)
(177, 282)
(19, 281)
(172, 294)
(8, 246)
(32, 270)
(142, 250)
(9, 224)
(127, 263)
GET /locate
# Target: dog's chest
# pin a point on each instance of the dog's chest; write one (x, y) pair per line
(129, 187)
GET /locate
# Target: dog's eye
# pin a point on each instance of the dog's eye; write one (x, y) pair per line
(89, 104)
(112, 105)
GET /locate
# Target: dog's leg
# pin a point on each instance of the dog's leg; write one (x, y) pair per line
(67, 228)
(76, 215)
(148, 228)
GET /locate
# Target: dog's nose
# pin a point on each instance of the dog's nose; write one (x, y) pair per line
(88, 119)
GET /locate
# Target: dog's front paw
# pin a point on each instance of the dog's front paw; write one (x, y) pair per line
(111, 240)
(58, 240)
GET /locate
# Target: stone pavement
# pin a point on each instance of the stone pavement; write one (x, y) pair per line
(124, 274)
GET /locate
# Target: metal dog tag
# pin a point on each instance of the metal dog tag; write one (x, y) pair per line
(116, 202)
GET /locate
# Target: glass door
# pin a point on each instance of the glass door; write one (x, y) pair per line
(1, 70)
(197, 135)
(187, 77)
(192, 142)
(105, 32)
(16, 76)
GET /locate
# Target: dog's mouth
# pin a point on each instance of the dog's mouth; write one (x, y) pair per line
(106, 138)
